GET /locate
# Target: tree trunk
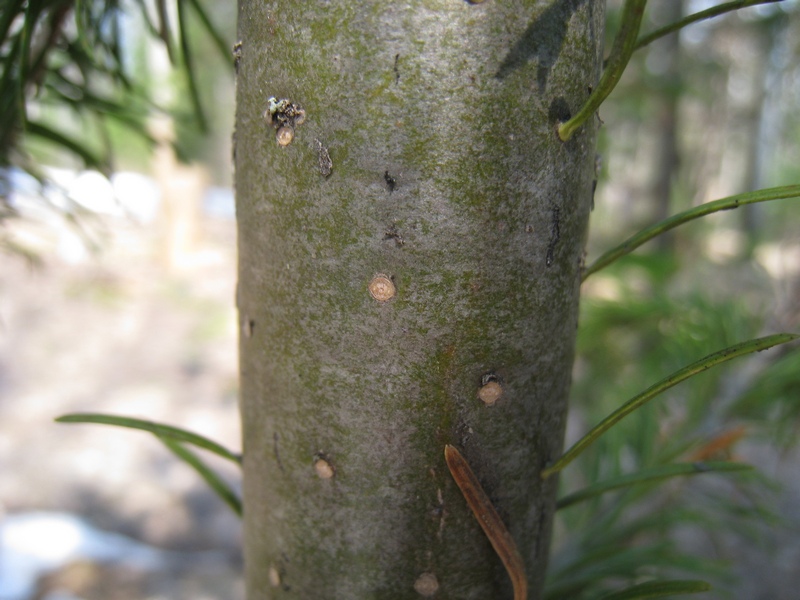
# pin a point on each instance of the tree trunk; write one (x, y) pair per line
(411, 233)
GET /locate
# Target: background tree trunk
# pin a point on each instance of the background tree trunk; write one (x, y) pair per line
(449, 181)
(667, 167)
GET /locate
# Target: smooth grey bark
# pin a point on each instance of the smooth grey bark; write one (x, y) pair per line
(449, 180)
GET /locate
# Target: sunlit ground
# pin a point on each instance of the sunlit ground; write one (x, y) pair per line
(143, 326)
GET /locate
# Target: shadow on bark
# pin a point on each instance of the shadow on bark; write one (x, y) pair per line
(541, 41)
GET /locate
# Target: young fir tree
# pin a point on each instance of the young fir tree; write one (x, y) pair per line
(411, 232)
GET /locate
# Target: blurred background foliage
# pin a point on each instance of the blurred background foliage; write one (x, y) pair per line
(100, 84)
(707, 113)
(699, 115)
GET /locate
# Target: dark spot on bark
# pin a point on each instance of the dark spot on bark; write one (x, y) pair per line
(392, 233)
(538, 550)
(391, 182)
(464, 433)
(558, 112)
(555, 235)
(396, 68)
(325, 162)
(284, 112)
(283, 574)
(489, 377)
(275, 440)
(272, 24)
(237, 56)
(598, 164)
(249, 327)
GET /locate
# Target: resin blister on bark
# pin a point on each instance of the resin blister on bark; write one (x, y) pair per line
(323, 468)
(426, 585)
(491, 389)
(382, 288)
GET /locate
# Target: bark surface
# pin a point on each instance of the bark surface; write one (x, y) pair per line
(426, 156)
